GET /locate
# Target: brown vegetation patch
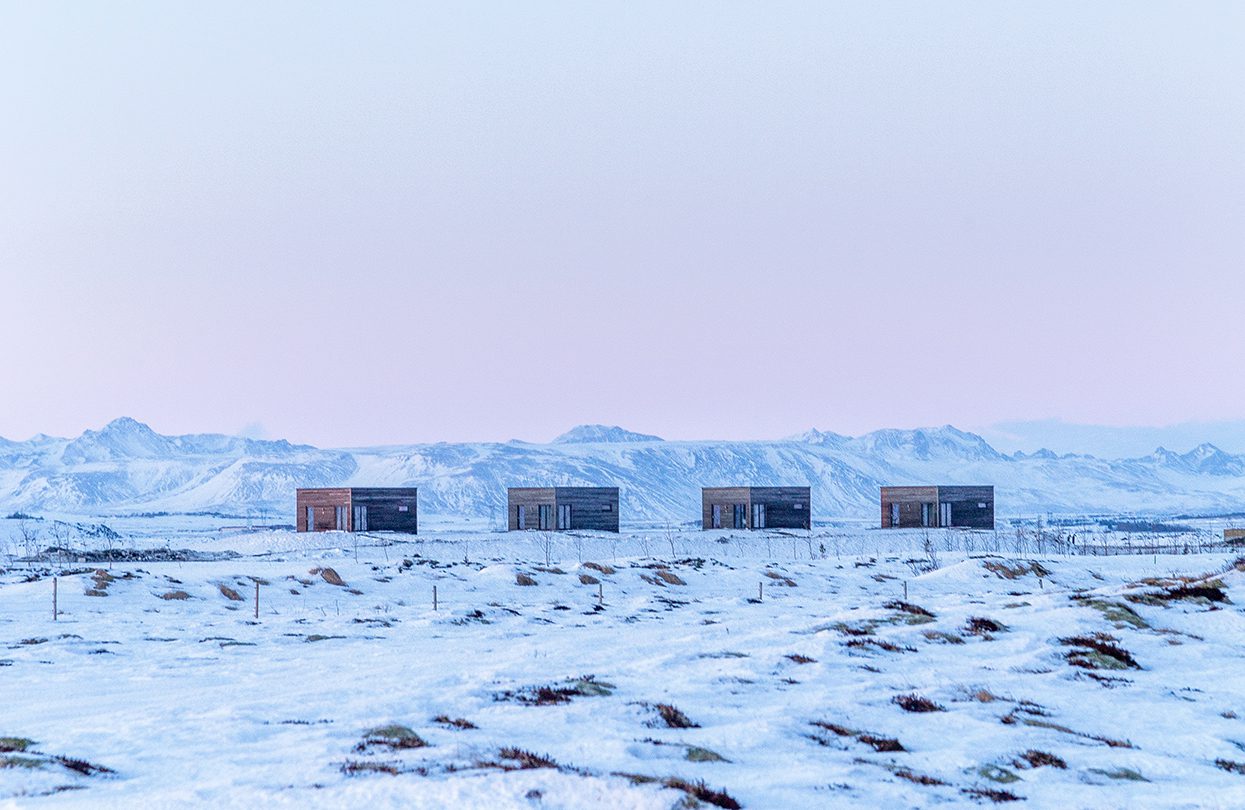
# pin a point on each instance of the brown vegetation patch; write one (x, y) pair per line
(589, 579)
(329, 575)
(796, 658)
(881, 644)
(459, 723)
(916, 703)
(526, 760)
(673, 717)
(1039, 759)
(1015, 570)
(696, 790)
(877, 742)
(229, 593)
(993, 794)
(599, 568)
(909, 608)
(1098, 651)
(981, 626)
(524, 580)
(179, 596)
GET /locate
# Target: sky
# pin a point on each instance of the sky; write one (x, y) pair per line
(370, 223)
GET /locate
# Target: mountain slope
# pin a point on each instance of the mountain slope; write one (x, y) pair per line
(127, 467)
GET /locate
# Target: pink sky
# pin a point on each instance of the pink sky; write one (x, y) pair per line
(382, 223)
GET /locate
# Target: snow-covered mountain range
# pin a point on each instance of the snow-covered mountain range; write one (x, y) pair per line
(126, 467)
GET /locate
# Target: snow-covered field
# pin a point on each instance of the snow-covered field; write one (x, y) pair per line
(644, 670)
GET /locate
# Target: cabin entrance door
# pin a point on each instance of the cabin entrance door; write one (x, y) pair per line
(944, 514)
(360, 518)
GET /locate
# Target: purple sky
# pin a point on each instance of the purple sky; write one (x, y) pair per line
(364, 223)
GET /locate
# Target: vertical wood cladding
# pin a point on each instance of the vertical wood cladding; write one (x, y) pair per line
(785, 507)
(531, 499)
(389, 509)
(591, 508)
(972, 507)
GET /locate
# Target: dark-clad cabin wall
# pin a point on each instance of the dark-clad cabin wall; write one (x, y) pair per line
(389, 509)
(971, 507)
(725, 498)
(909, 500)
(324, 503)
(531, 499)
(592, 508)
(785, 507)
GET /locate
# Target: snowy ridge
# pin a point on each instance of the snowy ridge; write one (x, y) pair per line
(127, 467)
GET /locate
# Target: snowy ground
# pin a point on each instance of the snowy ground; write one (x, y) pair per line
(154, 686)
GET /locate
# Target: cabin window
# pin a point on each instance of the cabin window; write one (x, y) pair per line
(895, 515)
(341, 518)
(311, 518)
(799, 506)
(927, 514)
(403, 508)
(360, 518)
(564, 516)
(741, 516)
(717, 516)
(981, 506)
(521, 519)
(545, 517)
(758, 516)
(944, 514)
(609, 507)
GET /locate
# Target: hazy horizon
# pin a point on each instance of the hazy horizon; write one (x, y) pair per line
(400, 223)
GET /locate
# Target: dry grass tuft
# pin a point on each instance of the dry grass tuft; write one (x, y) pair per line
(179, 596)
(796, 658)
(702, 792)
(673, 717)
(1039, 759)
(981, 626)
(916, 703)
(1230, 766)
(909, 608)
(669, 577)
(585, 686)
(883, 745)
(1098, 651)
(1015, 570)
(353, 767)
(589, 579)
(881, 644)
(454, 722)
(330, 576)
(527, 761)
(229, 593)
(993, 794)
(393, 736)
(918, 778)
(599, 568)
(523, 579)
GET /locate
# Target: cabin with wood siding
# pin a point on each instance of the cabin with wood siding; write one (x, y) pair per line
(358, 509)
(943, 506)
(560, 509)
(756, 507)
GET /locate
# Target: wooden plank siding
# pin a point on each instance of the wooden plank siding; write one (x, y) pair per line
(966, 504)
(531, 499)
(592, 508)
(389, 509)
(785, 507)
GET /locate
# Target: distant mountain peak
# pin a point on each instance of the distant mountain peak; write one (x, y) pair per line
(603, 434)
(815, 436)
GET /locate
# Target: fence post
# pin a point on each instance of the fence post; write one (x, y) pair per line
(760, 591)
(905, 590)
(256, 600)
(434, 597)
(55, 612)
(600, 593)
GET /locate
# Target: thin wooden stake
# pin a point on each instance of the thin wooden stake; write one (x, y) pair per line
(760, 591)
(55, 612)
(256, 600)
(434, 597)
(905, 590)
(601, 593)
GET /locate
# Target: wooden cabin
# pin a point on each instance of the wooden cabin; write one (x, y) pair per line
(967, 507)
(559, 509)
(358, 509)
(756, 507)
